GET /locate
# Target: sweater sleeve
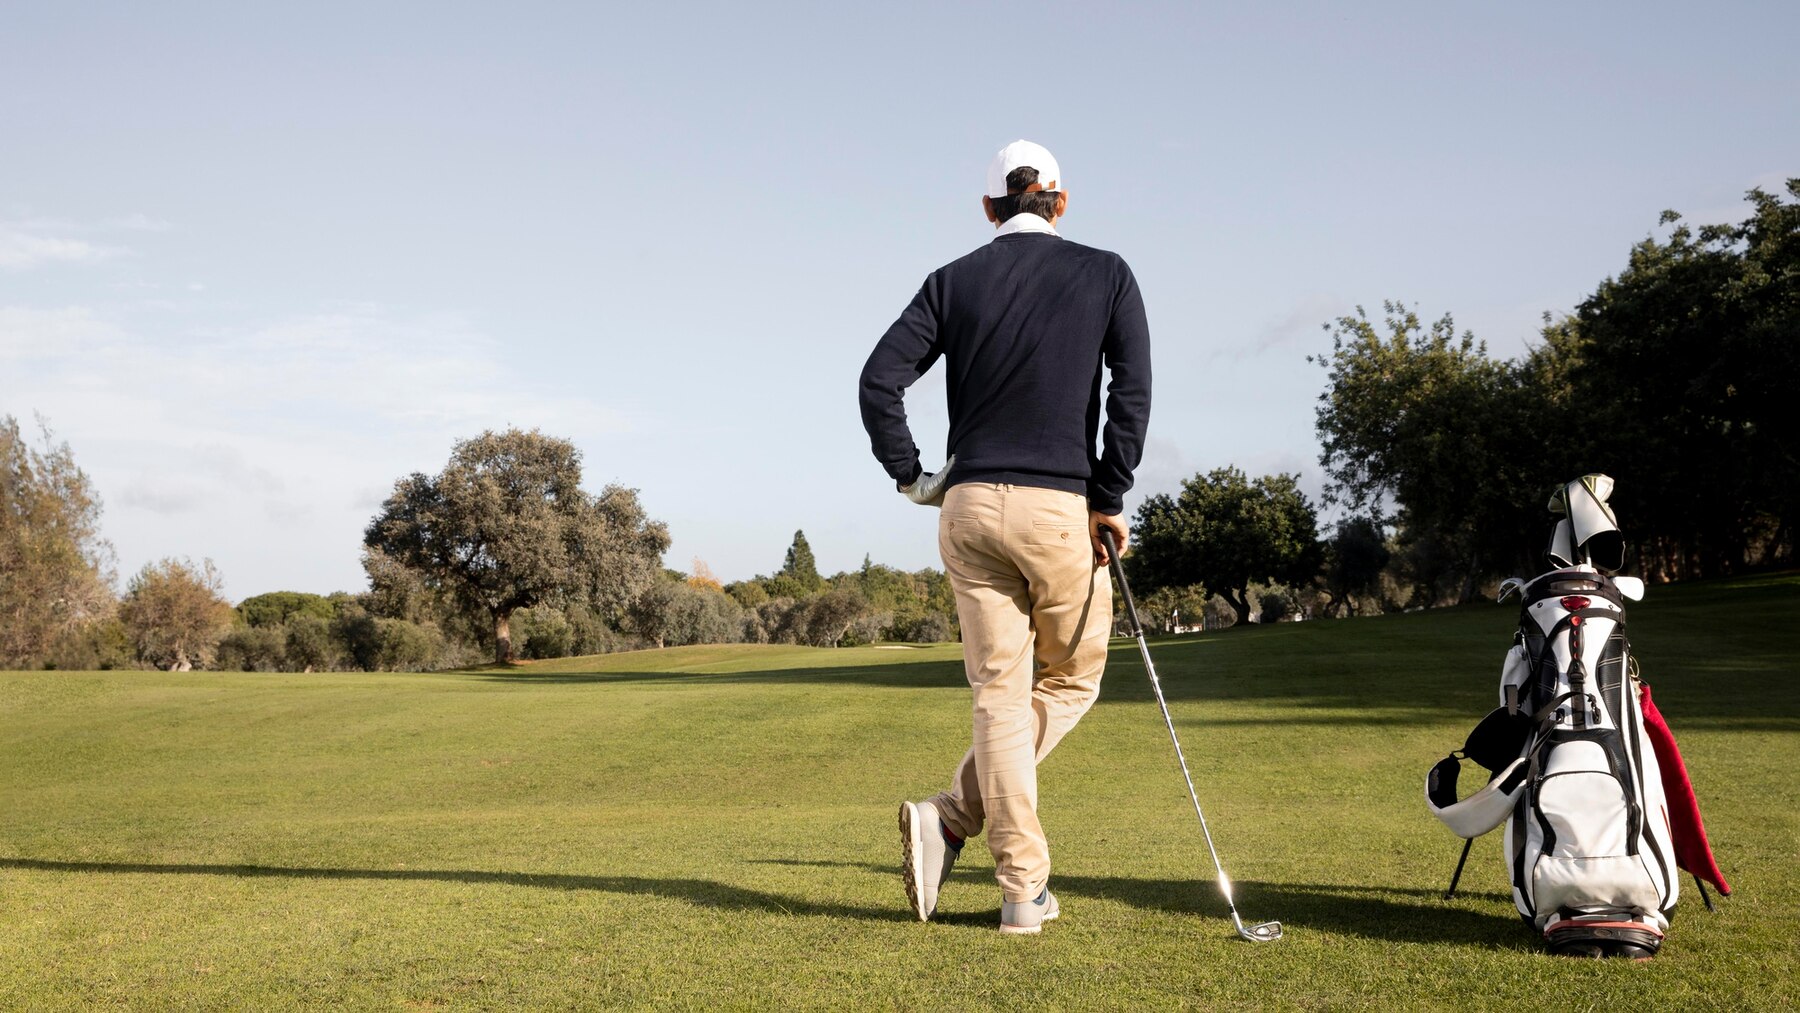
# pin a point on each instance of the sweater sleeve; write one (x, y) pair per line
(902, 355)
(1126, 353)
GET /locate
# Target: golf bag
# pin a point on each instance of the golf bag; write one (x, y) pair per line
(1590, 848)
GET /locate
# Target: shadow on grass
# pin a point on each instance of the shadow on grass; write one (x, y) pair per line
(1699, 642)
(1395, 914)
(698, 892)
(1352, 701)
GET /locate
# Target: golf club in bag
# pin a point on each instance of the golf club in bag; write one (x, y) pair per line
(1266, 932)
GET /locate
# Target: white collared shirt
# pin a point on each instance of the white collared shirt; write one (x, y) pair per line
(1024, 221)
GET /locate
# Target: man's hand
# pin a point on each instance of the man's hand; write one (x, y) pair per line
(1097, 520)
(928, 488)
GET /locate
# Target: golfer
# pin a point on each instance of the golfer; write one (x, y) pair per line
(1025, 326)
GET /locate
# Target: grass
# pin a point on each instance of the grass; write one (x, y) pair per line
(714, 827)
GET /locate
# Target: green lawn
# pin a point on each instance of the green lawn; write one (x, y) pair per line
(714, 827)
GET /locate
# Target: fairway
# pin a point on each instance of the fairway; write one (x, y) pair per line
(714, 826)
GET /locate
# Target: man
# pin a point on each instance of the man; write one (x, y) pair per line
(1024, 325)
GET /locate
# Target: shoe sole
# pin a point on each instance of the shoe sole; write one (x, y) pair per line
(1028, 930)
(1020, 930)
(912, 845)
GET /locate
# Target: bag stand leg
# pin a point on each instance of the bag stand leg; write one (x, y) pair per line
(1704, 895)
(1456, 877)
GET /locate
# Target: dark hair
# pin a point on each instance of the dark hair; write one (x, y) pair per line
(1039, 202)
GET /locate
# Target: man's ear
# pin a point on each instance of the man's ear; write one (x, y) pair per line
(987, 208)
(1062, 203)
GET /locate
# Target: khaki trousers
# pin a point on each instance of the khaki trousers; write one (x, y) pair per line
(1036, 613)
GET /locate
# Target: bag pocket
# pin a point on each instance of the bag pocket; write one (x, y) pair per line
(1578, 885)
(1587, 814)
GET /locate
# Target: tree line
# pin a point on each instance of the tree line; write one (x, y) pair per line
(501, 555)
(1677, 377)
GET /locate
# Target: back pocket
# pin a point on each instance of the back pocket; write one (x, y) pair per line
(1055, 533)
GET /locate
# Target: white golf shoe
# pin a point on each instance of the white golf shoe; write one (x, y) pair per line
(1022, 918)
(925, 855)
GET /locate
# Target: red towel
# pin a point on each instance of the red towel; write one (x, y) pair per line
(1692, 852)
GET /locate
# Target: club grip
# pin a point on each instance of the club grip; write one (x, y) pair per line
(1118, 568)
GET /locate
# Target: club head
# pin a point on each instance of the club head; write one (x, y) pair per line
(1266, 932)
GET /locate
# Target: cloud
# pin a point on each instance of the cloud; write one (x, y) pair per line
(1299, 322)
(168, 495)
(137, 221)
(269, 445)
(30, 333)
(23, 247)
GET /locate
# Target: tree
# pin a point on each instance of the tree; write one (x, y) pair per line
(1684, 370)
(1420, 418)
(675, 613)
(1225, 532)
(175, 615)
(799, 574)
(703, 578)
(277, 607)
(1354, 560)
(830, 616)
(507, 526)
(55, 569)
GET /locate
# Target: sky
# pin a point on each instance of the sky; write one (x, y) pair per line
(258, 262)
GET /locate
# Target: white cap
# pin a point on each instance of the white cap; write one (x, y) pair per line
(1021, 153)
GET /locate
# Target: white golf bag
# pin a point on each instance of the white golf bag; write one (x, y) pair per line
(1589, 847)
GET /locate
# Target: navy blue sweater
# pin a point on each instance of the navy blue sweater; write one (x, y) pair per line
(1024, 325)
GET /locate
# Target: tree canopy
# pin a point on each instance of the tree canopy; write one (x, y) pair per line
(1225, 532)
(55, 569)
(175, 615)
(1677, 377)
(506, 525)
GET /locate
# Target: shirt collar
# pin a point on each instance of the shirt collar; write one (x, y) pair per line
(1024, 221)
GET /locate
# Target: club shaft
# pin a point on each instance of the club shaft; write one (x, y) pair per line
(1180, 758)
(1137, 627)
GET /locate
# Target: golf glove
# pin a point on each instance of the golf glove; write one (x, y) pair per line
(928, 488)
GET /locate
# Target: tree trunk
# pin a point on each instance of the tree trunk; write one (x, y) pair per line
(1468, 587)
(1240, 603)
(503, 652)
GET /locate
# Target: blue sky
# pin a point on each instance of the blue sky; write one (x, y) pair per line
(256, 264)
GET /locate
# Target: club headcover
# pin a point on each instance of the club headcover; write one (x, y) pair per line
(1480, 812)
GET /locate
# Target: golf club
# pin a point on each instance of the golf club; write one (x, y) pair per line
(1266, 932)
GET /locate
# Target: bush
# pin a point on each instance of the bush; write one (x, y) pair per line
(543, 632)
(309, 647)
(357, 636)
(865, 629)
(407, 646)
(1275, 606)
(923, 628)
(92, 647)
(252, 649)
